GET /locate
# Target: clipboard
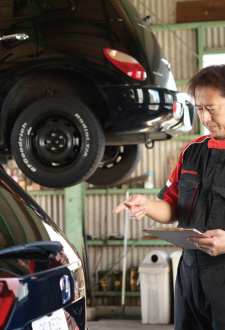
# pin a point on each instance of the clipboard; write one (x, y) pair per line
(176, 236)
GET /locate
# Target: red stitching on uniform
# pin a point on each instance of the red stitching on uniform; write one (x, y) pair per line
(186, 171)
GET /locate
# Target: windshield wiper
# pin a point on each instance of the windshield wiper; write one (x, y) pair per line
(39, 251)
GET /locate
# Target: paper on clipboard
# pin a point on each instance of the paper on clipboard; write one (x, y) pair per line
(176, 236)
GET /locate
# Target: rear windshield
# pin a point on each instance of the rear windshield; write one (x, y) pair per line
(52, 6)
(21, 219)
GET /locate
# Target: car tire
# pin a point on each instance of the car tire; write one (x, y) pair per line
(57, 142)
(117, 165)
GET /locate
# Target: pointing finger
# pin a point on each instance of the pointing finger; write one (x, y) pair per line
(119, 208)
(132, 200)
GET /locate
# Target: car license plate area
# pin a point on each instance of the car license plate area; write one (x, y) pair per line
(56, 321)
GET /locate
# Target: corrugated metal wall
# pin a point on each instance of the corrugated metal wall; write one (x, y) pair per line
(53, 205)
(100, 222)
(214, 38)
(183, 62)
(160, 10)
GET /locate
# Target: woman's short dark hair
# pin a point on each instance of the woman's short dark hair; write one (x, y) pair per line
(210, 76)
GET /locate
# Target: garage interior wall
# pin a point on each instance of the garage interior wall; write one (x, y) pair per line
(184, 46)
(180, 44)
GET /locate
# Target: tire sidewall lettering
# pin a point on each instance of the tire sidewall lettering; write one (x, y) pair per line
(86, 132)
(22, 150)
(85, 150)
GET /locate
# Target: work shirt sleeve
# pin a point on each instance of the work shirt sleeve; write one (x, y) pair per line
(169, 192)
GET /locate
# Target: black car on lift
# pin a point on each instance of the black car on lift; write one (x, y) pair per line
(83, 84)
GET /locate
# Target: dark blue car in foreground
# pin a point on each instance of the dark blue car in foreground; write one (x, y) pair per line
(41, 275)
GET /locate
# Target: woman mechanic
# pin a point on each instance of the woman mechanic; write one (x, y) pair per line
(195, 196)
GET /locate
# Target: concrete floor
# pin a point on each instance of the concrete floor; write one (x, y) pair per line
(118, 324)
(116, 318)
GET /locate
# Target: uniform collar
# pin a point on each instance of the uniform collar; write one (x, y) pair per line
(216, 144)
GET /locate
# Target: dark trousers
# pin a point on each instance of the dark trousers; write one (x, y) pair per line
(200, 292)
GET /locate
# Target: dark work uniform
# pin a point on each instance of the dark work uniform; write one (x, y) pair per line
(196, 188)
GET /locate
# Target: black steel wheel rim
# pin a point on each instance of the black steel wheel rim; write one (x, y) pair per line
(112, 156)
(55, 142)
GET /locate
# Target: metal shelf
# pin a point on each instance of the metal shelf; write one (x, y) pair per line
(101, 242)
(116, 293)
(93, 191)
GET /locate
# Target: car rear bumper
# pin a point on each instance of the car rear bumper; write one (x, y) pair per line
(68, 318)
(143, 109)
(41, 294)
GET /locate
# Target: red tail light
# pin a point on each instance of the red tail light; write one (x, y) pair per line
(8, 292)
(177, 110)
(127, 64)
